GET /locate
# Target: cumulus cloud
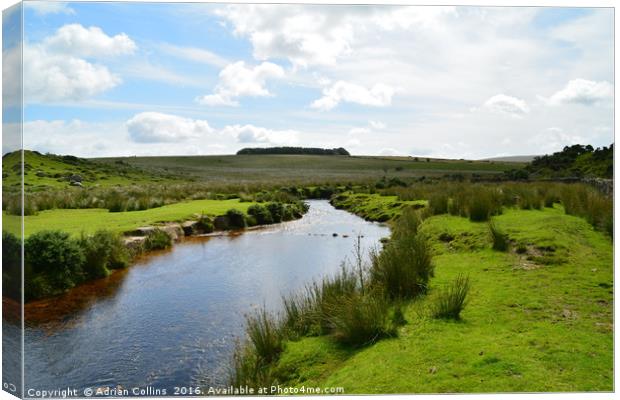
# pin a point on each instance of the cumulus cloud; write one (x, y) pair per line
(76, 40)
(57, 69)
(507, 105)
(54, 77)
(255, 134)
(237, 80)
(379, 95)
(304, 35)
(582, 91)
(154, 127)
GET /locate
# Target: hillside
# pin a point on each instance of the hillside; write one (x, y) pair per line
(55, 171)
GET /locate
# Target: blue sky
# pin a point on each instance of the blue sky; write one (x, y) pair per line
(104, 79)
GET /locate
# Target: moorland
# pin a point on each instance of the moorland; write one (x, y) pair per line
(498, 276)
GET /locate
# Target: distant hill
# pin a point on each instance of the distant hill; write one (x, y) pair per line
(575, 161)
(520, 159)
(295, 150)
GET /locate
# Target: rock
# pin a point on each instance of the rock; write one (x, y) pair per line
(75, 178)
(334, 234)
(75, 183)
(190, 227)
(132, 242)
(142, 231)
(175, 231)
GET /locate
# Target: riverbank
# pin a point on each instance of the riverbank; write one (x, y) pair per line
(538, 316)
(56, 261)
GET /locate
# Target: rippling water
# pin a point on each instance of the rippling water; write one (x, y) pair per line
(172, 319)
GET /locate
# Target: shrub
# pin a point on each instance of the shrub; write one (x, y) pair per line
(11, 265)
(360, 319)
(157, 240)
(276, 210)
(57, 257)
(261, 213)
(438, 203)
(205, 224)
(236, 219)
(451, 300)
(103, 251)
(500, 239)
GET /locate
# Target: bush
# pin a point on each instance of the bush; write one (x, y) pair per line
(276, 210)
(11, 265)
(407, 224)
(500, 239)
(360, 319)
(205, 224)
(236, 219)
(103, 251)
(157, 240)
(56, 257)
(261, 213)
(451, 300)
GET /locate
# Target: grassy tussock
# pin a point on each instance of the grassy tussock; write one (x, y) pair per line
(499, 238)
(451, 301)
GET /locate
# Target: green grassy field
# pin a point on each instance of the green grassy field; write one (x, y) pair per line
(76, 221)
(537, 321)
(306, 168)
(43, 171)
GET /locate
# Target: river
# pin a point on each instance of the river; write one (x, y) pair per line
(172, 319)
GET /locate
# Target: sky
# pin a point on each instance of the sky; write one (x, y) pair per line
(122, 79)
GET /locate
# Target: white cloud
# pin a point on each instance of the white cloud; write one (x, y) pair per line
(507, 105)
(50, 77)
(76, 40)
(582, 91)
(195, 54)
(255, 134)
(304, 35)
(378, 125)
(379, 95)
(388, 151)
(49, 7)
(237, 80)
(359, 131)
(554, 139)
(56, 69)
(153, 127)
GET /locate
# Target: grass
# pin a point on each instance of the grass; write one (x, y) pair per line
(91, 220)
(49, 171)
(527, 326)
(374, 207)
(303, 168)
(450, 302)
